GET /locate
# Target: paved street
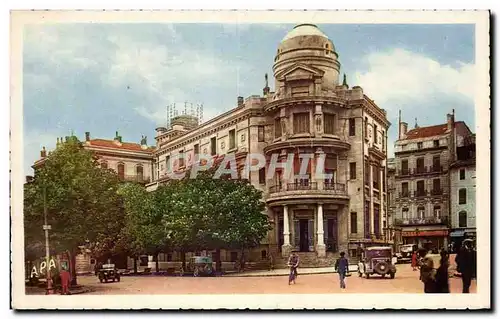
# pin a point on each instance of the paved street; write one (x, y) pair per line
(406, 281)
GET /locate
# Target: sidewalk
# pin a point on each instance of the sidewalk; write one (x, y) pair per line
(73, 290)
(286, 272)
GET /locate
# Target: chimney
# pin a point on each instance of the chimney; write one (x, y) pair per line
(451, 120)
(43, 152)
(403, 129)
(240, 101)
(87, 136)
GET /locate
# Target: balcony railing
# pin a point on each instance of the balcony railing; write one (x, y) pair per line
(301, 186)
(430, 220)
(421, 170)
(420, 193)
(134, 178)
(437, 192)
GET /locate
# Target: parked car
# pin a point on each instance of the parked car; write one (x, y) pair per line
(376, 260)
(108, 272)
(405, 252)
(199, 266)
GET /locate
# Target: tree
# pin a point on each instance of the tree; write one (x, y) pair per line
(81, 198)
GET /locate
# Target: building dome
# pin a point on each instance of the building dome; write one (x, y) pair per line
(304, 29)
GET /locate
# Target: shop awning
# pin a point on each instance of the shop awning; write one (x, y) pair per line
(457, 233)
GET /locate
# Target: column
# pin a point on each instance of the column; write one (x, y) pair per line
(372, 214)
(320, 247)
(382, 202)
(285, 250)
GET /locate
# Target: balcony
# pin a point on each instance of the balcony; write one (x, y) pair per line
(421, 170)
(307, 192)
(135, 178)
(437, 192)
(420, 193)
(431, 220)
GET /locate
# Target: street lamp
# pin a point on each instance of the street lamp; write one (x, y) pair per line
(46, 228)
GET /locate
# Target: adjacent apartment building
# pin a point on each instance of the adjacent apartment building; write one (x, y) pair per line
(423, 156)
(311, 111)
(463, 192)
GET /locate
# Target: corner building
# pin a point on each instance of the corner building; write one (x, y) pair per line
(309, 112)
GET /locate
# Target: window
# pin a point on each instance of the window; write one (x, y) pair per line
(232, 139)
(368, 167)
(139, 171)
(404, 189)
(462, 174)
(376, 176)
(181, 158)
(436, 163)
(420, 165)
(436, 186)
(383, 141)
(104, 165)
(354, 222)
(167, 164)
(261, 135)
(121, 170)
(352, 127)
(366, 127)
(375, 134)
(196, 149)
(352, 170)
(234, 256)
(405, 212)
(420, 188)
(420, 145)
(262, 176)
(437, 211)
(420, 212)
(277, 128)
(436, 143)
(462, 219)
(404, 167)
(462, 196)
(169, 257)
(301, 123)
(329, 123)
(213, 146)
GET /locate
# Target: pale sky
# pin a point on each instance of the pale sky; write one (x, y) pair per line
(104, 78)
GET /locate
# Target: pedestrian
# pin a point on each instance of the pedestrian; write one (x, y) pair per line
(414, 261)
(271, 262)
(293, 263)
(465, 265)
(65, 280)
(342, 267)
(428, 275)
(442, 275)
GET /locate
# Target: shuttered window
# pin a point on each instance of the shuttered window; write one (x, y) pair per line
(301, 123)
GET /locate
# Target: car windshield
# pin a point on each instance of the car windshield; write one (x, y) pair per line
(406, 248)
(378, 253)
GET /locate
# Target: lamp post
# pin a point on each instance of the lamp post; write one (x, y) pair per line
(46, 228)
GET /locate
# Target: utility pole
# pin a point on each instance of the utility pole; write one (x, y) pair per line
(46, 228)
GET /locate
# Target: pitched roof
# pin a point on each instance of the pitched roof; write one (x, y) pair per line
(122, 146)
(428, 131)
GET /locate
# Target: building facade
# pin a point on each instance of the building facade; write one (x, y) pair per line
(463, 192)
(309, 112)
(423, 157)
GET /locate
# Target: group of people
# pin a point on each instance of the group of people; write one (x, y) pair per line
(437, 280)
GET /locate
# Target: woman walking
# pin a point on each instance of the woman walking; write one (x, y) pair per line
(442, 276)
(428, 275)
(414, 261)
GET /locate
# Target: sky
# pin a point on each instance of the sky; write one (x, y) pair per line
(103, 78)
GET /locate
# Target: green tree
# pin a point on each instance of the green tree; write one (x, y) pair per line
(81, 199)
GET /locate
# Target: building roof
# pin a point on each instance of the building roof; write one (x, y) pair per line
(304, 29)
(120, 146)
(429, 131)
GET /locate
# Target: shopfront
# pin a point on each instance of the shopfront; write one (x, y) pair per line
(430, 239)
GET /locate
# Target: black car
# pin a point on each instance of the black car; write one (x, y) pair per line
(108, 272)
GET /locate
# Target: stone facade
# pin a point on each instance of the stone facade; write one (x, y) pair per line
(310, 112)
(423, 157)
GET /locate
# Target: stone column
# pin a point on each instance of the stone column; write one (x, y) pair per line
(320, 247)
(382, 202)
(372, 214)
(285, 250)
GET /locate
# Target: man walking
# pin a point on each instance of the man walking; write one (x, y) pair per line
(293, 263)
(466, 264)
(342, 267)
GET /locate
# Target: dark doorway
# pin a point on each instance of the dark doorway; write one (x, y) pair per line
(304, 234)
(281, 239)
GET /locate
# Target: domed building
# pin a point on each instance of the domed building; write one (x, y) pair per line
(312, 112)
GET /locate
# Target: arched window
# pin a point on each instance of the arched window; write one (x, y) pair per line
(437, 211)
(139, 171)
(326, 45)
(462, 196)
(462, 219)
(121, 170)
(420, 212)
(104, 165)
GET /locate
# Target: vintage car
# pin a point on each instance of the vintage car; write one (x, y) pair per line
(199, 266)
(405, 252)
(108, 272)
(376, 260)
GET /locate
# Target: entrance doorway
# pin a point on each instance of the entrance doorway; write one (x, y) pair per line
(304, 234)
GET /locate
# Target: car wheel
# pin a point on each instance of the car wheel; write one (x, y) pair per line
(393, 275)
(367, 275)
(383, 275)
(113, 279)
